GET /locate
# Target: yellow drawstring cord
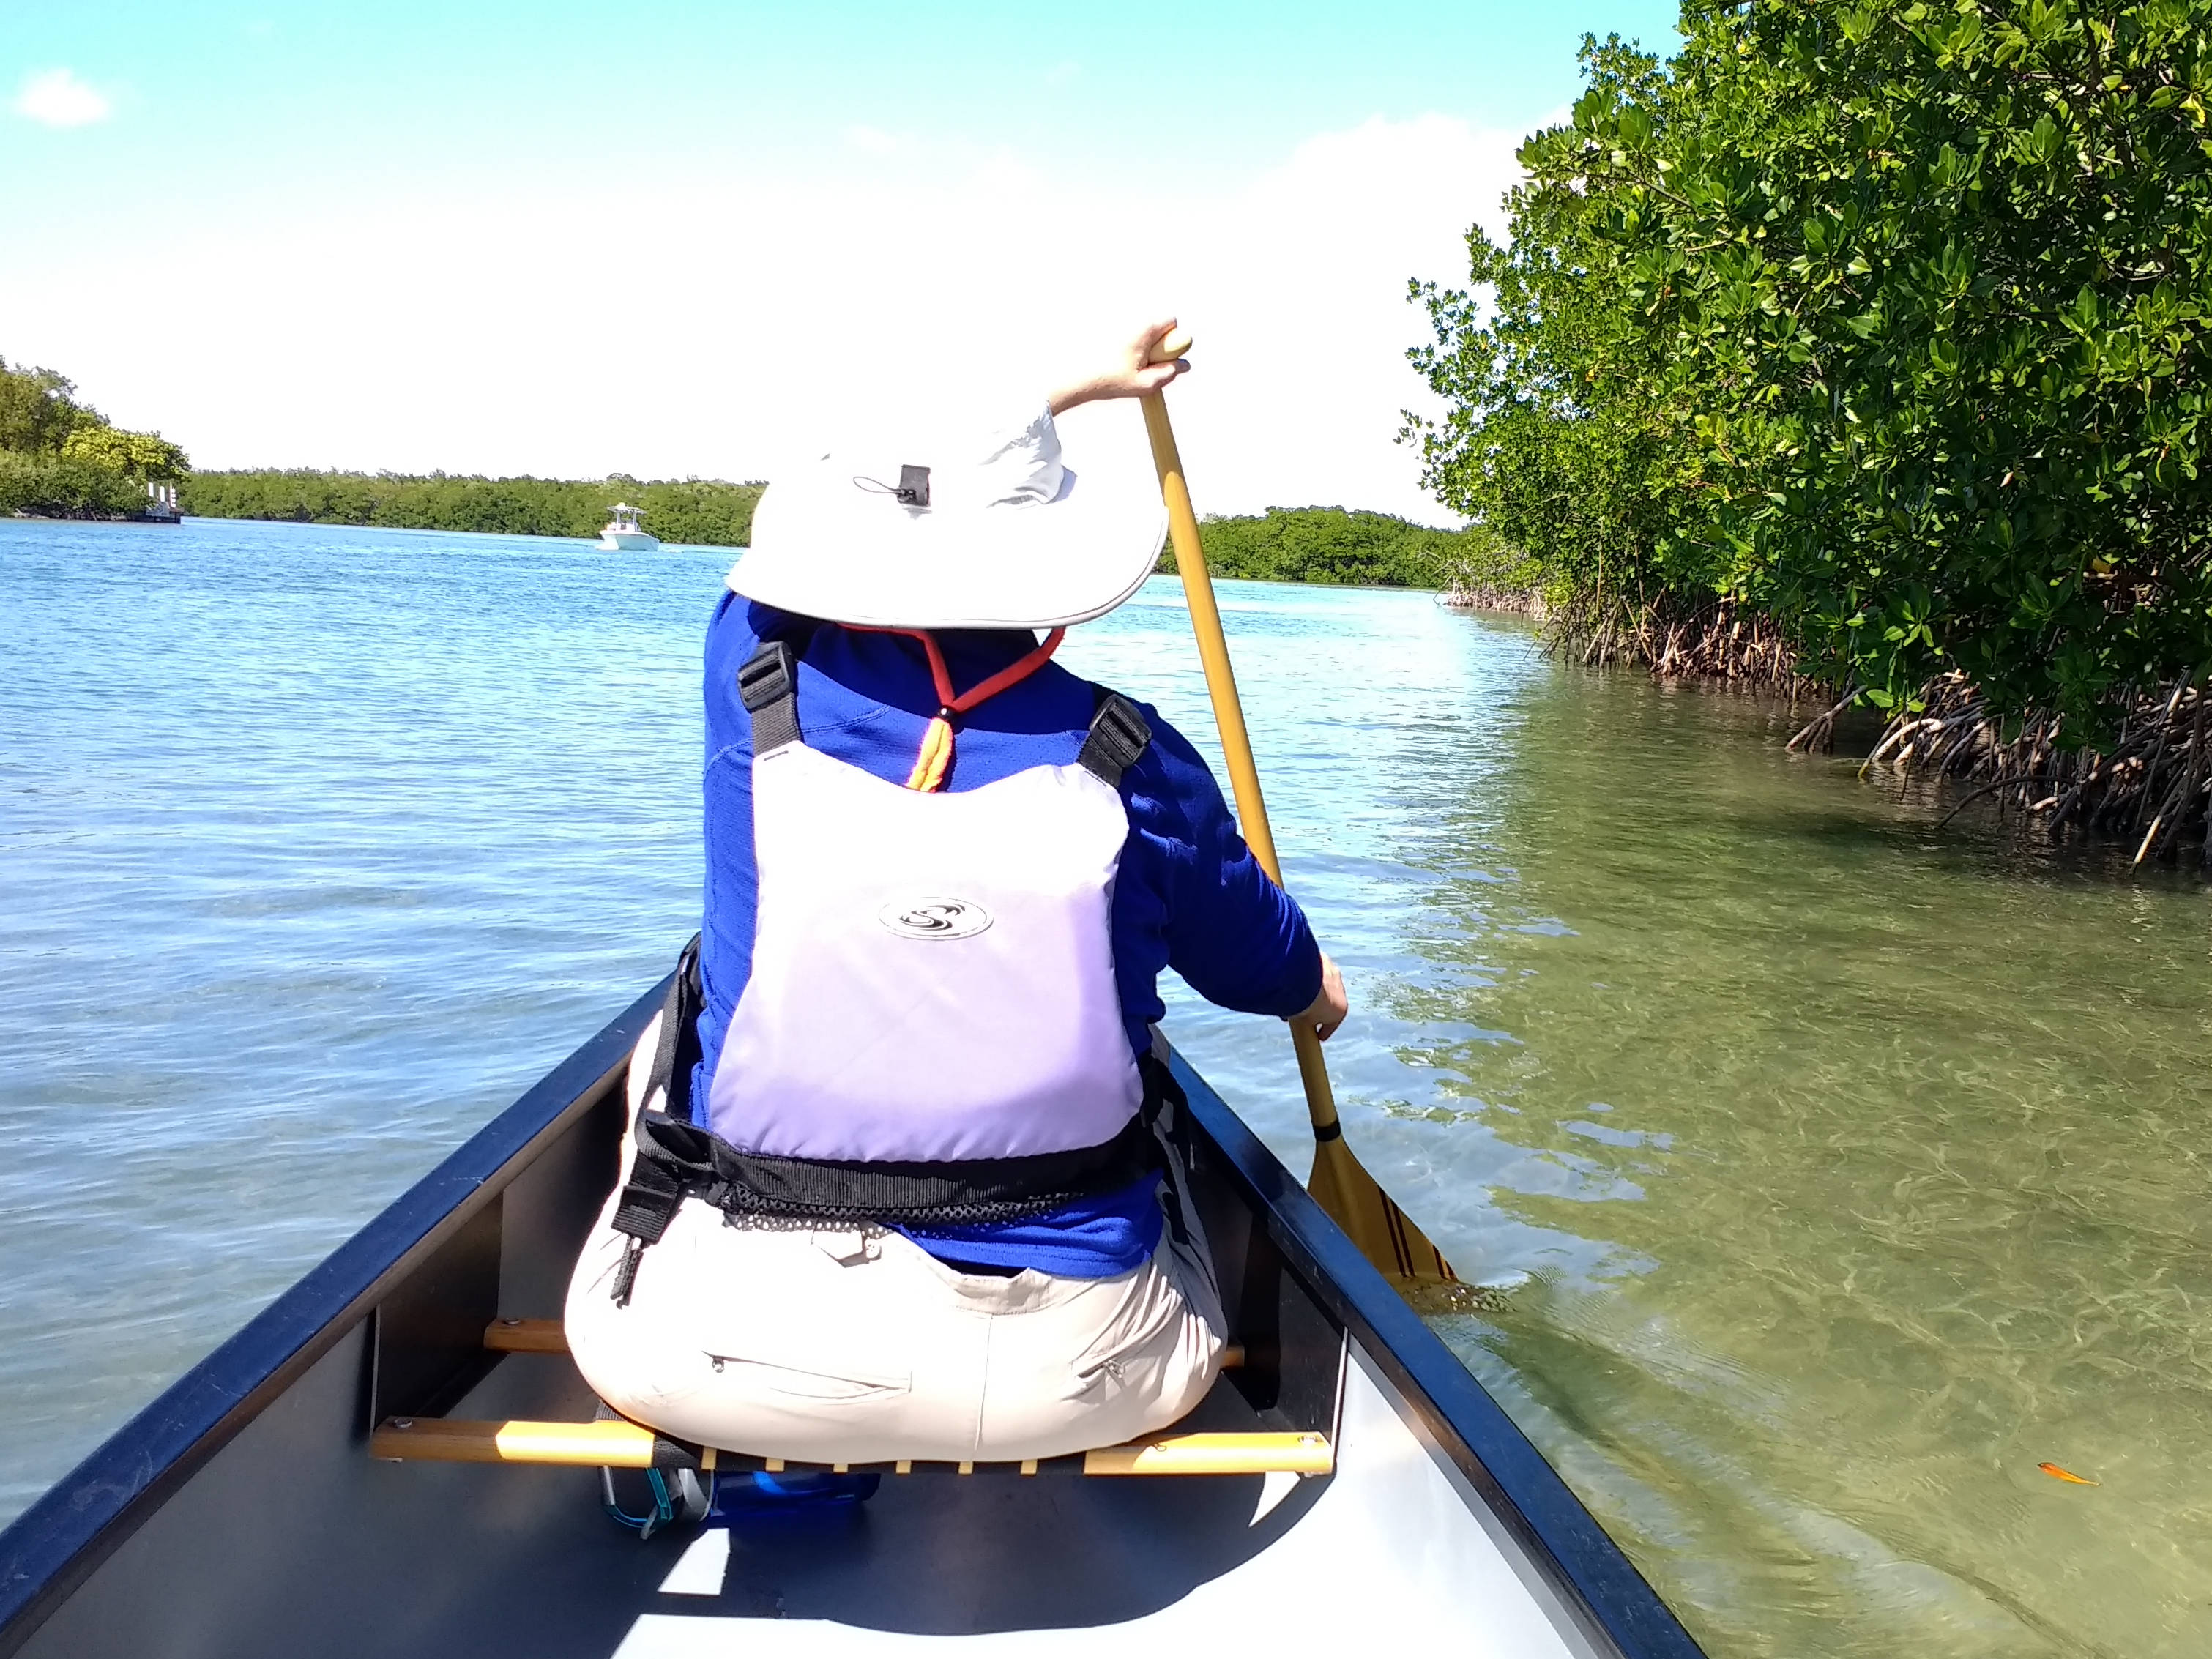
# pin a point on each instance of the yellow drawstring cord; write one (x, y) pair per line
(935, 759)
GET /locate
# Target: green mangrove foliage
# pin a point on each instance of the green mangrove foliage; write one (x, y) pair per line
(705, 512)
(1883, 322)
(1355, 549)
(60, 458)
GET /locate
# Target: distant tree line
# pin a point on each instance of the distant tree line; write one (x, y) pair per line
(62, 458)
(1358, 549)
(707, 511)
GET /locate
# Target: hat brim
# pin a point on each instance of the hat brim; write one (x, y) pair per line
(823, 548)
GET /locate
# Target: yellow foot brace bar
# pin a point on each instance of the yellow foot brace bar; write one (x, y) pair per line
(614, 1444)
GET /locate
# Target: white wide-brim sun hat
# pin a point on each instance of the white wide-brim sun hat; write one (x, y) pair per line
(1010, 539)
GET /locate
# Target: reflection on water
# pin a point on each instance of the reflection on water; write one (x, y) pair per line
(1847, 1167)
(1914, 1131)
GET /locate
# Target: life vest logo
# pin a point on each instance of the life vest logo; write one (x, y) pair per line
(934, 918)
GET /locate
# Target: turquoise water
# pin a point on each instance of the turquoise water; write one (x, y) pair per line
(1845, 1167)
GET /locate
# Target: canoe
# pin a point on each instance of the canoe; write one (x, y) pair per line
(397, 1457)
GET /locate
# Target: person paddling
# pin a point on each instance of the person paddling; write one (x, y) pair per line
(901, 1181)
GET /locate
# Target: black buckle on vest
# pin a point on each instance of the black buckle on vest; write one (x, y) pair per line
(1117, 737)
(768, 684)
(767, 677)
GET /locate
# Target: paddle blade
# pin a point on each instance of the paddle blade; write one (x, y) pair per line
(1385, 1235)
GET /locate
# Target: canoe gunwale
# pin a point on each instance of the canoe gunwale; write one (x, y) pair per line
(84, 1518)
(1586, 1569)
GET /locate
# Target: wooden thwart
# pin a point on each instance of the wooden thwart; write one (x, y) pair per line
(612, 1444)
(1216, 1453)
(525, 1336)
(615, 1444)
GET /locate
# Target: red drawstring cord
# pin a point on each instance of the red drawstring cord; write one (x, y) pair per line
(935, 760)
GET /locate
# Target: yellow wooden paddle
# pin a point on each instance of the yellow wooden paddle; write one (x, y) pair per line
(1352, 1198)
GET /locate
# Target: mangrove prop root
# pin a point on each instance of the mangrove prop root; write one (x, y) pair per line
(1719, 642)
(2149, 790)
(1817, 735)
(1480, 595)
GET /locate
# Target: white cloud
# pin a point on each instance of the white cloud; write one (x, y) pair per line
(56, 98)
(874, 140)
(419, 334)
(1303, 295)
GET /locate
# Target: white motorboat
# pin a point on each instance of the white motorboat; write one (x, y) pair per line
(623, 532)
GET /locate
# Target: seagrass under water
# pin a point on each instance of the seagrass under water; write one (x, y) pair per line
(1831, 1172)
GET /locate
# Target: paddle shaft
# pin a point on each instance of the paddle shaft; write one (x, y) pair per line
(1228, 716)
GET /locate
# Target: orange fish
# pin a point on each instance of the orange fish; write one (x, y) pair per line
(2067, 1475)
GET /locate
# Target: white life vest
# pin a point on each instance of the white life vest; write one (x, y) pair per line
(933, 973)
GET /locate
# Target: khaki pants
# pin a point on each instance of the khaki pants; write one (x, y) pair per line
(855, 1345)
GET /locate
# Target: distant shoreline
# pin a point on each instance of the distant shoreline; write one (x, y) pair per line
(699, 512)
(1164, 568)
(89, 518)
(1251, 548)
(1320, 546)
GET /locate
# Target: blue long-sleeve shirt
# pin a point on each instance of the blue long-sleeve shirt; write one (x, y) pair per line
(1188, 894)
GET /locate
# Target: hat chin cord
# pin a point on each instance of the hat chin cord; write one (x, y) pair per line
(935, 759)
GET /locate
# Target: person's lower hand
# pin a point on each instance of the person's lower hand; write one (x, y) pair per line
(1134, 376)
(1329, 1006)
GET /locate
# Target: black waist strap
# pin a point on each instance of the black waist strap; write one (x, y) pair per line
(690, 1162)
(675, 1161)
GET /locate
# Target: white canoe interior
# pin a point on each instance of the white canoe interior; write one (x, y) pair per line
(1392, 1549)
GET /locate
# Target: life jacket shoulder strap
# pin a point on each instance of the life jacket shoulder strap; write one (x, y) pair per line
(1118, 736)
(676, 1050)
(768, 686)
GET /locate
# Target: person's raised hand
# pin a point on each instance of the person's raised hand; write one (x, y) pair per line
(1134, 376)
(1329, 1006)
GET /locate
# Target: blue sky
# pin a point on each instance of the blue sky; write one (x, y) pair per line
(671, 238)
